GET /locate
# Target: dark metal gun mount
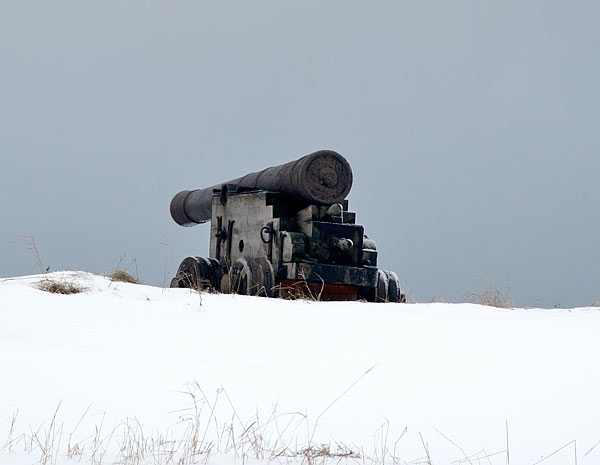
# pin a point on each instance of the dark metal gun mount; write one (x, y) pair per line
(285, 231)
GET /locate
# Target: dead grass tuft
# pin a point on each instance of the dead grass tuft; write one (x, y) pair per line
(487, 293)
(60, 286)
(123, 277)
(324, 450)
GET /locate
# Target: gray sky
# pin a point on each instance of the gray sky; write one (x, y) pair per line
(472, 127)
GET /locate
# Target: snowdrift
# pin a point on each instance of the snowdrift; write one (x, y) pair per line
(125, 373)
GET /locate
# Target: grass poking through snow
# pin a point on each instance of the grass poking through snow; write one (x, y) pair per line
(209, 428)
(123, 277)
(60, 286)
(487, 293)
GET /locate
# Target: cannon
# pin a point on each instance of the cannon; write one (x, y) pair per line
(286, 232)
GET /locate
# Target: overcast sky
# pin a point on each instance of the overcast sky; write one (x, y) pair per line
(472, 127)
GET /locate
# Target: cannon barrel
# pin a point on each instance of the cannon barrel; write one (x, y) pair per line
(322, 177)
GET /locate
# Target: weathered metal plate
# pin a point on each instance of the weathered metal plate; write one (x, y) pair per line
(334, 274)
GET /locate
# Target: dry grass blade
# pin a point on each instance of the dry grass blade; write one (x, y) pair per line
(337, 399)
(303, 290)
(9, 437)
(467, 458)
(426, 448)
(574, 442)
(169, 242)
(488, 294)
(122, 275)
(591, 449)
(28, 242)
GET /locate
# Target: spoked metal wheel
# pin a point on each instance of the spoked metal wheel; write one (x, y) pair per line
(198, 273)
(250, 276)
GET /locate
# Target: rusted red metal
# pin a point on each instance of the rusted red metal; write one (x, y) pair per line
(291, 289)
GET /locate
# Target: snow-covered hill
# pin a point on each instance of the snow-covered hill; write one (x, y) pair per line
(136, 374)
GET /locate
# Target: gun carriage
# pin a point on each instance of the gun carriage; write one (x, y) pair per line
(284, 231)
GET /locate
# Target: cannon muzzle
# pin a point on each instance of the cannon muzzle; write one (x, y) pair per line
(323, 177)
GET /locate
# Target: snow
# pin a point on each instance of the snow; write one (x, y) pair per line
(120, 365)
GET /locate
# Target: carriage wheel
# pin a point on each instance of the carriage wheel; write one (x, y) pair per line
(250, 276)
(198, 273)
